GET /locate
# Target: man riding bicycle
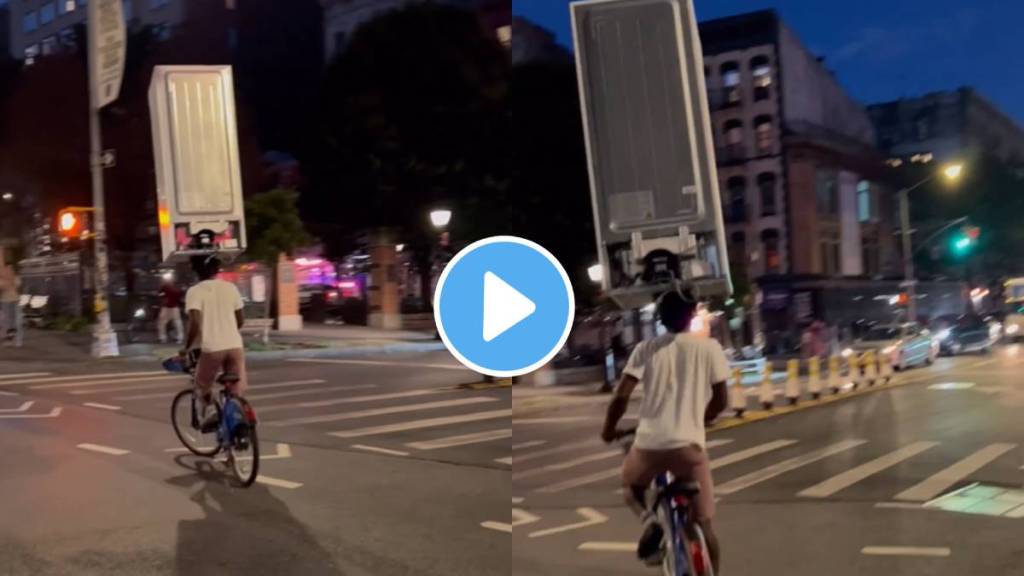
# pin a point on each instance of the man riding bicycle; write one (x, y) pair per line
(215, 316)
(684, 381)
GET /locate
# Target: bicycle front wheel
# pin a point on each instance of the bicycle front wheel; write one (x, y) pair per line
(187, 420)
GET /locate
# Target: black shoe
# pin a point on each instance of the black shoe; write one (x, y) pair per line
(649, 549)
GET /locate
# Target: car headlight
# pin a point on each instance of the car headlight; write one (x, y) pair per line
(1012, 329)
(888, 350)
(848, 352)
(943, 334)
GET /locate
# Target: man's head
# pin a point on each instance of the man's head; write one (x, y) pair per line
(206, 267)
(676, 310)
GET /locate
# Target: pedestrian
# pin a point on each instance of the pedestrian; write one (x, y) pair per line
(10, 312)
(170, 311)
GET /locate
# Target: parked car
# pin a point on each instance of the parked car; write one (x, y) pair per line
(968, 334)
(906, 344)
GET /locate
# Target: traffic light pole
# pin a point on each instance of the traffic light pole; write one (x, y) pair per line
(908, 255)
(104, 343)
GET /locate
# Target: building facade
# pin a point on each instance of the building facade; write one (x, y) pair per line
(798, 171)
(343, 17)
(947, 125)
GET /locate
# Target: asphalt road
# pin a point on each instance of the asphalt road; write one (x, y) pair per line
(841, 487)
(375, 466)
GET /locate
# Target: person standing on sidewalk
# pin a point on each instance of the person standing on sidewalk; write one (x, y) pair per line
(170, 311)
(10, 313)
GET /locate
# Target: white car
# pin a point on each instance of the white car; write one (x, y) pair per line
(906, 344)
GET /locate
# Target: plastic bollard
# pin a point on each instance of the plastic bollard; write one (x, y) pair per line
(793, 382)
(854, 366)
(767, 392)
(814, 377)
(737, 396)
(870, 368)
(834, 375)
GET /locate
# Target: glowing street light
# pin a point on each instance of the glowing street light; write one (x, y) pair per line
(440, 218)
(7, 196)
(596, 273)
(953, 171)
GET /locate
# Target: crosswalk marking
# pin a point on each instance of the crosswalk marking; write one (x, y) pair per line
(22, 376)
(78, 377)
(462, 440)
(742, 455)
(159, 385)
(381, 363)
(104, 449)
(102, 406)
(550, 452)
(420, 424)
(150, 386)
(530, 444)
(380, 411)
(566, 464)
(854, 475)
(81, 384)
(379, 450)
(934, 485)
(292, 393)
(780, 468)
(353, 399)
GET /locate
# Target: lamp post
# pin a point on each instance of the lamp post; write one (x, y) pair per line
(439, 218)
(950, 172)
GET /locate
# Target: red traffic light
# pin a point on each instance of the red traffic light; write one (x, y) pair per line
(68, 222)
(972, 232)
(73, 222)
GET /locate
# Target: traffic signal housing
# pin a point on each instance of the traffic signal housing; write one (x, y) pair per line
(964, 241)
(75, 223)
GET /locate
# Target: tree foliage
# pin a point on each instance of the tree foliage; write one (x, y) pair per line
(274, 226)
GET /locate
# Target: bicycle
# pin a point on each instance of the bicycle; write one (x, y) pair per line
(233, 430)
(683, 550)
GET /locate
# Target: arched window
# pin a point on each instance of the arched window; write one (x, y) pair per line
(734, 147)
(731, 81)
(764, 134)
(762, 73)
(736, 201)
(772, 257)
(766, 187)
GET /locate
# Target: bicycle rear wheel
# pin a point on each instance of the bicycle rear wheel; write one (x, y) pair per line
(244, 451)
(186, 419)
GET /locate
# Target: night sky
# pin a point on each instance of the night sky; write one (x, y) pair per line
(883, 49)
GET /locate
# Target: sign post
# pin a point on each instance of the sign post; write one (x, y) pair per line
(106, 68)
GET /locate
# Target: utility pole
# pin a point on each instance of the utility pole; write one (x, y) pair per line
(106, 68)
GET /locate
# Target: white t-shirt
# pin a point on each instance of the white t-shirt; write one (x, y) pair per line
(218, 301)
(676, 372)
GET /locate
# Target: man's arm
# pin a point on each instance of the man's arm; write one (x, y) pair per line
(239, 319)
(718, 403)
(195, 328)
(617, 407)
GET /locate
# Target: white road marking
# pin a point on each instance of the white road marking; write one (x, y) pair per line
(898, 505)
(25, 375)
(175, 450)
(420, 424)
(277, 482)
(574, 447)
(758, 476)
(519, 518)
(566, 464)
(79, 377)
(591, 517)
(291, 393)
(104, 449)
(557, 420)
(81, 384)
(379, 450)
(101, 406)
(150, 386)
(458, 367)
(517, 500)
(23, 408)
(380, 411)
(6, 393)
(530, 444)
(462, 440)
(905, 551)
(608, 547)
(52, 414)
(352, 399)
(854, 475)
(934, 485)
(741, 455)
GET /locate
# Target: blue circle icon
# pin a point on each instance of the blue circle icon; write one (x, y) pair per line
(504, 306)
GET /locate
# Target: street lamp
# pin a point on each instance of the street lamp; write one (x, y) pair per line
(440, 218)
(7, 196)
(951, 172)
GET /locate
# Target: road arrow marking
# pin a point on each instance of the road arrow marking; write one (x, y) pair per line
(519, 518)
(591, 518)
(24, 407)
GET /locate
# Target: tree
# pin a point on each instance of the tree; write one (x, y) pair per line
(274, 227)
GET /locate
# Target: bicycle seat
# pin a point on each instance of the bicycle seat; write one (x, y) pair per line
(228, 378)
(686, 488)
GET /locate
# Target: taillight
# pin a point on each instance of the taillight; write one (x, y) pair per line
(250, 414)
(697, 553)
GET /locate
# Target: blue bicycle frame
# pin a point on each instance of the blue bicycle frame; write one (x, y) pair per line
(677, 518)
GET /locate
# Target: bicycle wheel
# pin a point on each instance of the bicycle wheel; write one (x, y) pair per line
(700, 557)
(673, 563)
(185, 418)
(244, 451)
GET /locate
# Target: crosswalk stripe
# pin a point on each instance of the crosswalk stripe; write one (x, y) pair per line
(458, 367)
(379, 411)
(566, 464)
(353, 399)
(178, 377)
(742, 455)
(420, 424)
(550, 452)
(604, 474)
(258, 387)
(937, 483)
(462, 440)
(780, 468)
(854, 475)
(25, 375)
(291, 393)
(529, 444)
(79, 377)
(158, 385)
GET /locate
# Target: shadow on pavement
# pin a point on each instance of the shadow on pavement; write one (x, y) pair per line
(244, 530)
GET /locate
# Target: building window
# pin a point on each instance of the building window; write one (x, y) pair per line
(30, 22)
(736, 206)
(763, 132)
(830, 247)
(31, 53)
(731, 81)
(826, 191)
(762, 72)
(47, 13)
(871, 257)
(49, 46)
(65, 6)
(505, 35)
(772, 256)
(733, 140)
(766, 185)
(865, 212)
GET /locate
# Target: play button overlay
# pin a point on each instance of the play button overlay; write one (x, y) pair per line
(504, 306)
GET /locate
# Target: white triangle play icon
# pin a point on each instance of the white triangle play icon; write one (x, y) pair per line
(504, 306)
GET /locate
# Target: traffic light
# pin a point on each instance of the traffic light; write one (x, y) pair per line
(964, 240)
(75, 222)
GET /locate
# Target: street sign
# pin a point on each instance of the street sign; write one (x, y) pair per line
(195, 147)
(106, 50)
